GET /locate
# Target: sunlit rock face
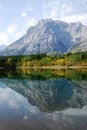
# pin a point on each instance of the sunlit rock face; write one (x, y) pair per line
(50, 36)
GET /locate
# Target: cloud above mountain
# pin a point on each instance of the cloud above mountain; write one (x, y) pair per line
(26, 14)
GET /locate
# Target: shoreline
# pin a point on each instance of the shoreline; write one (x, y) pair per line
(56, 67)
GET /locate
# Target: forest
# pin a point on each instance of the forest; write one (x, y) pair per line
(43, 60)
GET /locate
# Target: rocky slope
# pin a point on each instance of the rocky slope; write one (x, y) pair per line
(50, 36)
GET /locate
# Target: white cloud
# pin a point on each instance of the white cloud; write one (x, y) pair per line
(75, 18)
(12, 28)
(30, 22)
(51, 10)
(25, 11)
(18, 35)
(56, 9)
(4, 38)
(8, 35)
(23, 14)
(66, 11)
(53, 14)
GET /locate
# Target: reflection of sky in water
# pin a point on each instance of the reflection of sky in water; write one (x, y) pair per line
(10, 99)
(17, 114)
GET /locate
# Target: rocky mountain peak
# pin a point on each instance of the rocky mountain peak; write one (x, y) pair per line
(50, 36)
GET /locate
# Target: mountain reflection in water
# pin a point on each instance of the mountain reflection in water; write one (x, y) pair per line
(31, 100)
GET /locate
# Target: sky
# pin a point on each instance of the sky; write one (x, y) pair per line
(16, 16)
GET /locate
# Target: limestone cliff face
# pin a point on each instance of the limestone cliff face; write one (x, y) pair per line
(50, 36)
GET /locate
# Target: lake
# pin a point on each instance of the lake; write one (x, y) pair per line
(37, 99)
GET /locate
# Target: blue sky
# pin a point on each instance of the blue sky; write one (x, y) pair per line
(18, 15)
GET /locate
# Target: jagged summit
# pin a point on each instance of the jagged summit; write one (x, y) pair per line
(50, 36)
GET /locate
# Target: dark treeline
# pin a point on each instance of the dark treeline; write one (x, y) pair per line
(15, 61)
(40, 60)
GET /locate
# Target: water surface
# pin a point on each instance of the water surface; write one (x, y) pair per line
(43, 99)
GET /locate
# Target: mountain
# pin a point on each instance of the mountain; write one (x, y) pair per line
(50, 36)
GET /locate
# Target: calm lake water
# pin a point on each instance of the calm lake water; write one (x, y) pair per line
(43, 99)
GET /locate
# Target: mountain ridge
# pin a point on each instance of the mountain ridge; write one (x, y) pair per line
(50, 36)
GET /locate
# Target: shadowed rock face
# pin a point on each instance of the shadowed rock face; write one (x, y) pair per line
(50, 36)
(51, 95)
